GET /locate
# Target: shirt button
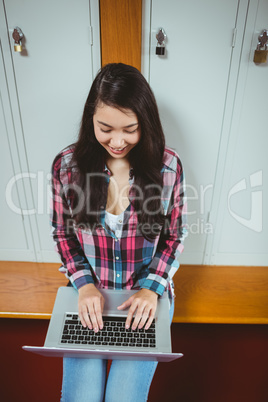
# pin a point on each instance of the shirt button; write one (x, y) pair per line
(120, 221)
(118, 275)
(117, 258)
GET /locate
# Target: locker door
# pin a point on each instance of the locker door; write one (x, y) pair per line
(242, 216)
(52, 78)
(191, 84)
(16, 242)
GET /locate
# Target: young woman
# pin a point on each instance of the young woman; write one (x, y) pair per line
(118, 220)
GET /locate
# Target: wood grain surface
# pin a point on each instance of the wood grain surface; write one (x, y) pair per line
(221, 294)
(28, 289)
(121, 31)
(204, 294)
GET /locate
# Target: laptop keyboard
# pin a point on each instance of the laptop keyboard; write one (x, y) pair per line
(113, 333)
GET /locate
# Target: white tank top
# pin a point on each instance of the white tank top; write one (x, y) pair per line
(113, 220)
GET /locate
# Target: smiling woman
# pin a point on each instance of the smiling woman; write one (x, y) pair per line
(118, 166)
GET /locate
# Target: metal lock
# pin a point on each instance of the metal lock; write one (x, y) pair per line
(261, 52)
(160, 50)
(17, 47)
(260, 56)
(161, 46)
(17, 36)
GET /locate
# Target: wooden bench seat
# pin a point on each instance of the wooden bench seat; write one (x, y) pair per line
(204, 294)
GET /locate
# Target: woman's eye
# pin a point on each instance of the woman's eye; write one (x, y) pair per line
(126, 131)
(132, 132)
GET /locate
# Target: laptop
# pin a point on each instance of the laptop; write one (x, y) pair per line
(67, 338)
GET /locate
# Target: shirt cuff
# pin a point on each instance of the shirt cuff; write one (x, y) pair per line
(81, 278)
(155, 283)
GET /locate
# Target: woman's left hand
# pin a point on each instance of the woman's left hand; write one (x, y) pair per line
(144, 303)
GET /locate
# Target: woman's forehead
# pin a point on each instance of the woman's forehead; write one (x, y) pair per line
(115, 113)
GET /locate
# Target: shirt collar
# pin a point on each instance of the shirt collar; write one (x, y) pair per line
(107, 170)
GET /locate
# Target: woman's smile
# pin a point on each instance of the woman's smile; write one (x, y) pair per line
(117, 151)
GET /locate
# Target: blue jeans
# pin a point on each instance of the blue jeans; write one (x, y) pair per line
(84, 380)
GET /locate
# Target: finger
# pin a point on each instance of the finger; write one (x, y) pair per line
(149, 323)
(150, 320)
(98, 305)
(84, 317)
(138, 317)
(131, 312)
(102, 304)
(144, 317)
(98, 315)
(126, 304)
(94, 321)
(93, 318)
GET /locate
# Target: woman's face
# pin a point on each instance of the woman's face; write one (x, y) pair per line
(116, 130)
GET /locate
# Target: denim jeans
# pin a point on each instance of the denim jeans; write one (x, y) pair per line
(84, 380)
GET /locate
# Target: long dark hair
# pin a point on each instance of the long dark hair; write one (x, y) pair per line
(123, 87)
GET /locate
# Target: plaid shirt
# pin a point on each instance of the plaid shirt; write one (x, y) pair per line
(122, 258)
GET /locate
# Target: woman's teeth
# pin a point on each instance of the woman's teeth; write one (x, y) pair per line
(117, 149)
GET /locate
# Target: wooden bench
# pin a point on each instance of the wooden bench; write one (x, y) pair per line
(204, 294)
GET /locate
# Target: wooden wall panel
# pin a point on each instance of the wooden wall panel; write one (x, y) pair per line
(221, 363)
(120, 22)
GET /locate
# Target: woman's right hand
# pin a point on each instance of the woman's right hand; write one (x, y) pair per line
(90, 307)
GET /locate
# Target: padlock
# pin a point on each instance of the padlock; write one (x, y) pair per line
(160, 50)
(260, 56)
(17, 35)
(261, 52)
(17, 47)
(161, 46)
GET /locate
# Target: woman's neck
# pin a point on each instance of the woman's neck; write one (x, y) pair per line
(117, 166)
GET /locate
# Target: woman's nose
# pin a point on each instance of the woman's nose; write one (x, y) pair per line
(117, 141)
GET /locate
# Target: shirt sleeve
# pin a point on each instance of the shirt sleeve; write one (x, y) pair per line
(171, 241)
(74, 262)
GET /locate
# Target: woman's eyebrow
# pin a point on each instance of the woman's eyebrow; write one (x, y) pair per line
(108, 125)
